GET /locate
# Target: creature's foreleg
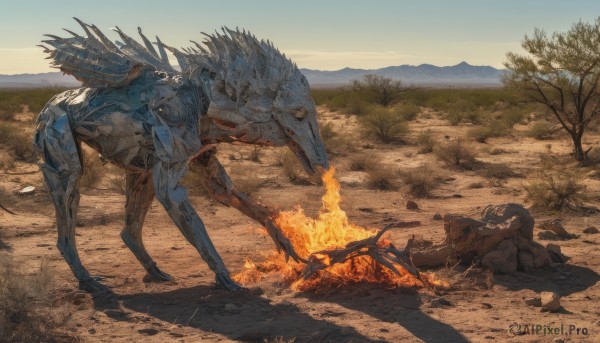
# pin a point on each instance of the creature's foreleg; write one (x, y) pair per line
(62, 170)
(166, 178)
(140, 193)
(219, 185)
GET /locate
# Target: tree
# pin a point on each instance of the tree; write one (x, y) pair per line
(561, 72)
(379, 89)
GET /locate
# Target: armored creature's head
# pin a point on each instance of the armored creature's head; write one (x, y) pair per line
(257, 96)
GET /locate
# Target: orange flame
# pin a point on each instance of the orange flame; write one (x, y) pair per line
(331, 230)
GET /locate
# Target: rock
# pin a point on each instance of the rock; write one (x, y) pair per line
(439, 302)
(411, 205)
(550, 301)
(555, 254)
(525, 261)
(27, 190)
(503, 259)
(555, 226)
(558, 340)
(535, 301)
(591, 230)
(547, 234)
(486, 306)
(231, 308)
(437, 216)
(502, 213)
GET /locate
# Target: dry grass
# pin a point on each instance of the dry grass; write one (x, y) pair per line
(361, 162)
(248, 182)
(7, 162)
(17, 142)
(382, 177)
(28, 312)
(456, 153)
(92, 169)
(420, 181)
(255, 155)
(426, 142)
(292, 169)
(542, 130)
(384, 125)
(557, 186)
(118, 182)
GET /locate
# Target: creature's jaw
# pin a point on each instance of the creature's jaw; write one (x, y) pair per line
(304, 160)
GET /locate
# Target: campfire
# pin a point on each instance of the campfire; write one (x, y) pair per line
(337, 252)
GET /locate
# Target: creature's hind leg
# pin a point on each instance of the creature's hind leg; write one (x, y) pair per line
(62, 170)
(140, 194)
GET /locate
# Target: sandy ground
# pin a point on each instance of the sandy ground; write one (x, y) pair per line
(189, 309)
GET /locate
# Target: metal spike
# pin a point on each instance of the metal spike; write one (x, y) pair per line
(147, 43)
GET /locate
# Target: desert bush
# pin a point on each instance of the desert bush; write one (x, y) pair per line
(17, 142)
(408, 111)
(382, 177)
(493, 151)
(420, 180)
(248, 183)
(118, 182)
(455, 117)
(498, 171)
(456, 153)
(292, 168)
(28, 312)
(384, 125)
(92, 169)
(362, 162)
(513, 116)
(495, 128)
(542, 130)
(6, 161)
(255, 154)
(557, 186)
(426, 141)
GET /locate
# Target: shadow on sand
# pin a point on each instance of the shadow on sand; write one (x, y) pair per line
(243, 316)
(248, 317)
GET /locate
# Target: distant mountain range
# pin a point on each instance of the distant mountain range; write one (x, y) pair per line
(460, 75)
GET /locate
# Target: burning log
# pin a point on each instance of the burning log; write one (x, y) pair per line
(386, 255)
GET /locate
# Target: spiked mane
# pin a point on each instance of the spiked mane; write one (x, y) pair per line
(244, 64)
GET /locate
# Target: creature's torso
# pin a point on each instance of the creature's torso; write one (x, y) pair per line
(156, 116)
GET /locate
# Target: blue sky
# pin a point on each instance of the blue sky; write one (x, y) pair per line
(325, 35)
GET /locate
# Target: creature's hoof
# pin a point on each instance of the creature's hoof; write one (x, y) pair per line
(224, 281)
(92, 286)
(156, 275)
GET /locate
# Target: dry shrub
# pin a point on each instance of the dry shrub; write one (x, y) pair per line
(255, 154)
(557, 186)
(6, 161)
(17, 142)
(420, 181)
(292, 168)
(382, 177)
(118, 182)
(493, 151)
(249, 183)
(361, 162)
(542, 130)
(28, 312)
(194, 181)
(426, 142)
(92, 169)
(456, 153)
(495, 128)
(498, 171)
(408, 111)
(384, 125)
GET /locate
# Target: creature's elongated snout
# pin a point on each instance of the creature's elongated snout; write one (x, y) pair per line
(307, 144)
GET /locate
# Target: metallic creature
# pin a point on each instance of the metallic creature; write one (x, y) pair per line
(143, 115)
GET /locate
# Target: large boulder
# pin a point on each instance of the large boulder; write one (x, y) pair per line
(502, 239)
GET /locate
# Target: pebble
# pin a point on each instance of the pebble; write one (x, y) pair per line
(550, 301)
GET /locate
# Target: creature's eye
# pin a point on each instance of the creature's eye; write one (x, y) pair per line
(299, 113)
